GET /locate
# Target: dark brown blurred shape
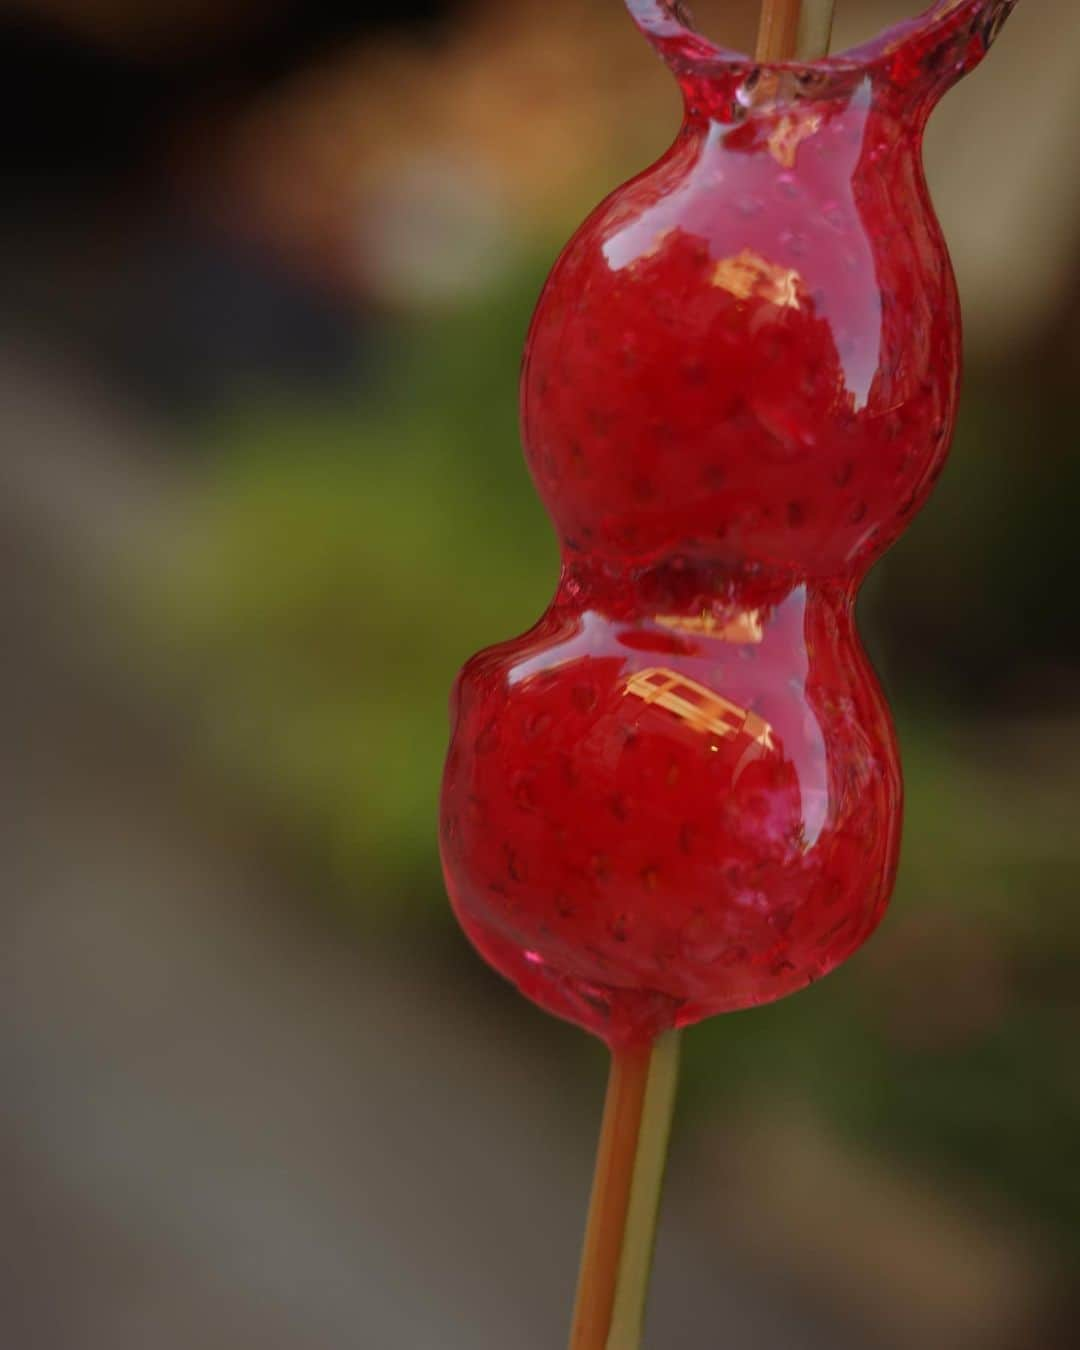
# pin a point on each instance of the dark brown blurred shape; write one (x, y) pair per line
(138, 28)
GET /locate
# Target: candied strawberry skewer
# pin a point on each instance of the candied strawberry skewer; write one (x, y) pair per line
(679, 794)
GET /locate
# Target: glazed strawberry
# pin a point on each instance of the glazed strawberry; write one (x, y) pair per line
(679, 794)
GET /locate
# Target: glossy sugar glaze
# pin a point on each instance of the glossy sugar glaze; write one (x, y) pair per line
(679, 794)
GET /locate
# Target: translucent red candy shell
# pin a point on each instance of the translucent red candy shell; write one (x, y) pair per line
(679, 794)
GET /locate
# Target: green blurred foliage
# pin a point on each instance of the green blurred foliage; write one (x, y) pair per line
(342, 560)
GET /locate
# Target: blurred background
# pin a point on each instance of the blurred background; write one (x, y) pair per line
(267, 267)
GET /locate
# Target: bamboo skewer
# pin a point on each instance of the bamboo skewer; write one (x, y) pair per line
(639, 1238)
(778, 34)
(617, 1254)
(623, 1108)
(792, 29)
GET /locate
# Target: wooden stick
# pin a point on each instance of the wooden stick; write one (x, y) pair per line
(635, 1264)
(617, 1255)
(623, 1107)
(795, 28)
(778, 34)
